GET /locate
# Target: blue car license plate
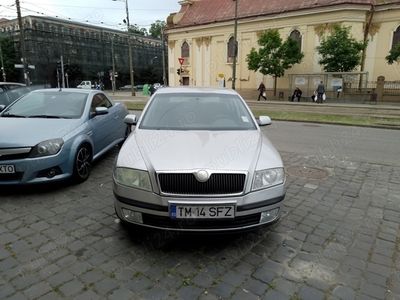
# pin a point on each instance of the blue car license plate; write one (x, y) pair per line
(7, 169)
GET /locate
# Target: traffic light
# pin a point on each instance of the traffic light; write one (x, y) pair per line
(59, 66)
(178, 71)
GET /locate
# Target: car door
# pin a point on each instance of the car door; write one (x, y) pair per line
(100, 124)
(115, 122)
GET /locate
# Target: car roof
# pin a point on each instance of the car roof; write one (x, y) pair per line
(186, 89)
(69, 90)
(12, 83)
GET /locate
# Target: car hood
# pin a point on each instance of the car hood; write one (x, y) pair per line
(20, 132)
(191, 150)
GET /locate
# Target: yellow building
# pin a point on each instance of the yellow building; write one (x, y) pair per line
(202, 32)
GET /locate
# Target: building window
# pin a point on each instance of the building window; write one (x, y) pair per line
(231, 50)
(396, 37)
(185, 52)
(296, 36)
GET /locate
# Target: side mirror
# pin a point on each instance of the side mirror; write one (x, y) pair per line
(101, 111)
(130, 120)
(264, 120)
(2, 107)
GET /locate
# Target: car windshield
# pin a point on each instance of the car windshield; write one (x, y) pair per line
(49, 105)
(197, 111)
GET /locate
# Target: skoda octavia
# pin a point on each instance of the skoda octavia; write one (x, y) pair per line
(198, 161)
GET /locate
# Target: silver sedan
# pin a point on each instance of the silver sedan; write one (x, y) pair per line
(198, 161)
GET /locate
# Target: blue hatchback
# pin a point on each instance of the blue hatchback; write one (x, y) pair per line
(50, 134)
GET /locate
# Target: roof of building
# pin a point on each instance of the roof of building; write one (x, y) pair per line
(198, 12)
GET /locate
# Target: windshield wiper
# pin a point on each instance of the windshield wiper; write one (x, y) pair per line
(13, 116)
(46, 117)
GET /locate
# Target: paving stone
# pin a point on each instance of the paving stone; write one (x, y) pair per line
(254, 286)
(344, 293)
(60, 278)
(106, 285)
(71, 288)
(156, 293)
(222, 289)
(121, 294)
(189, 292)
(244, 294)
(276, 295)
(37, 290)
(310, 293)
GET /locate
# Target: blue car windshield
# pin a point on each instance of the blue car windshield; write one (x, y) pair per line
(49, 104)
(197, 111)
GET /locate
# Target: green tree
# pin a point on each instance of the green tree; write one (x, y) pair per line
(10, 58)
(340, 52)
(394, 54)
(156, 29)
(274, 56)
(136, 30)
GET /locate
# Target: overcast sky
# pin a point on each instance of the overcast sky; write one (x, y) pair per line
(109, 13)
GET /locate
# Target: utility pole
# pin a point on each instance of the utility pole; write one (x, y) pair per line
(3, 71)
(236, 47)
(130, 50)
(62, 72)
(163, 57)
(113, 65)
(22, 43)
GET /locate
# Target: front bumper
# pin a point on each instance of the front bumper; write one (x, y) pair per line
(251, 210)
(36, 170)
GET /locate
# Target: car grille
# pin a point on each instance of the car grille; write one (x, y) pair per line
(16, 153)
(166, 222)
(187, 184)
(11, 177)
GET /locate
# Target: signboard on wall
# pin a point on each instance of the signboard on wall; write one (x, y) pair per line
(300, 81)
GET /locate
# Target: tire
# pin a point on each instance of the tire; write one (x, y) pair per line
(82, 164)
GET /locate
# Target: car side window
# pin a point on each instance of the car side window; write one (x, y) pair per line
(3, 97)
(99, 100)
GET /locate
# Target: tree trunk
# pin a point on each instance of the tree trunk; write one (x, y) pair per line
(275, 84)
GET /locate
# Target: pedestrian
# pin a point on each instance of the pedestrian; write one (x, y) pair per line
(152, 89)
(261, 89)
(320, 92)
(297, 95)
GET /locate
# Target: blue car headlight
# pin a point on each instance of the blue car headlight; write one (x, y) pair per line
(46, 148)
(267, 178)
(133, 178)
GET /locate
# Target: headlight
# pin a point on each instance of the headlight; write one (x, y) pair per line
(267, 178)
(46, 148)
(133, 178)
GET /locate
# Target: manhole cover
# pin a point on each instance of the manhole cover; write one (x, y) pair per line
(307, 172)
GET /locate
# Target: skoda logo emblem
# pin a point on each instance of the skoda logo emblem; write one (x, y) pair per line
(202, 175)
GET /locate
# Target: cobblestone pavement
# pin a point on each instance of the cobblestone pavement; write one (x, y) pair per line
(339, 238)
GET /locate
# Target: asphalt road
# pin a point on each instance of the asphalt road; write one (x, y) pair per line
(332, 142)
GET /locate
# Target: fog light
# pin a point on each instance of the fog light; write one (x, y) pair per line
(132, 216)
(269, 215)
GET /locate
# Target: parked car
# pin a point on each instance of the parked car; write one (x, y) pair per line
(128, 87)
(86, 85)
(198, 161)
(49, 135)
(10, 91)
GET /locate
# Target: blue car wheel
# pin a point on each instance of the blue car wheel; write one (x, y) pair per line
(82, 163)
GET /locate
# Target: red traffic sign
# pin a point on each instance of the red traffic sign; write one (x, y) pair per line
(181, 60)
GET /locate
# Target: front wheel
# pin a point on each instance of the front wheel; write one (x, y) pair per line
(82, 164)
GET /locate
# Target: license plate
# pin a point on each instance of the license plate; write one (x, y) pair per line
(202, 211)
(7, 169)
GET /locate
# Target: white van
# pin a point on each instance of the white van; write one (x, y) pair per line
(85, 85)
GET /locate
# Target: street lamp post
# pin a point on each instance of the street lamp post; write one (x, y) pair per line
(236, 47)
(3, 71)
(130, 49)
